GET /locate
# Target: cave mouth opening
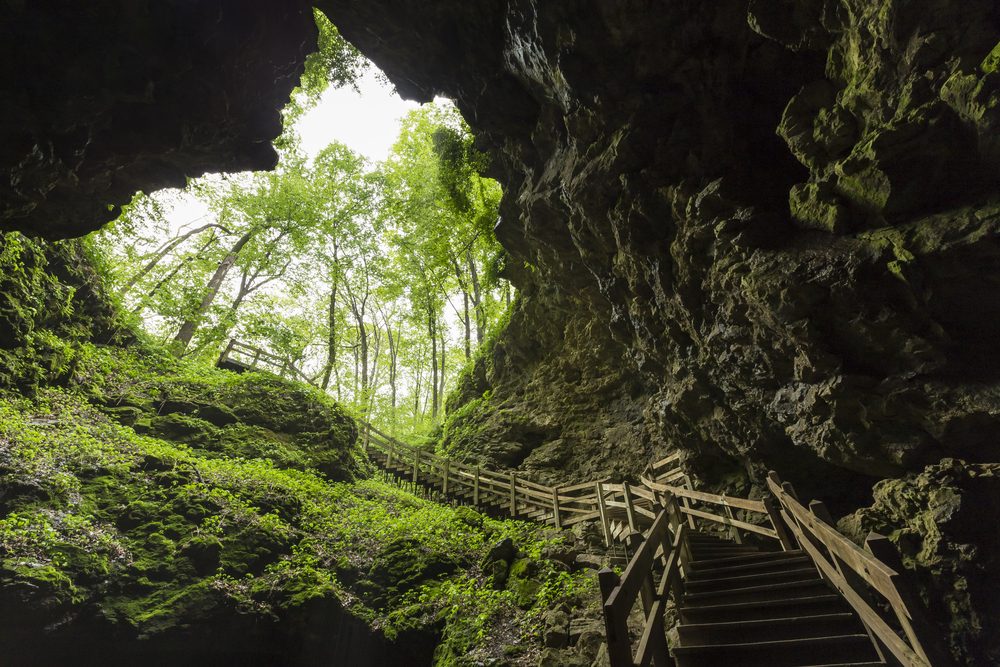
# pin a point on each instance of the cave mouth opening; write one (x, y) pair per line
(366, 256)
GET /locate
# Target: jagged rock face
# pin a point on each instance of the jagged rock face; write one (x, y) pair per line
(101, 99)
(936, 521)
(761, 231)
(782, 216)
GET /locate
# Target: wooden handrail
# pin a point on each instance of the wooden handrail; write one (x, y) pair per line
(716, 499)
(673, 458)
(656, 516)
(666, 538)
(857, 572)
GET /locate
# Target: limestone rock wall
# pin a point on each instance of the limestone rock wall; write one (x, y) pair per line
(781, 216)
(100, 99)
(936, 520)
(763, 232)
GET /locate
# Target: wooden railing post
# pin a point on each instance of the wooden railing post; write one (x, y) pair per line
(923, 637)
(229, 348)
(686, 503)
(602, 509)
(513, 495)
(416, 467)
(729, 515)
(615, 625)
(444, 479)
(555, 507)
(659, 650)
(676, 522)
(677, 584)
(475, 489)
(772, 506)
(635, 541)
(630, 508)
(857, 584)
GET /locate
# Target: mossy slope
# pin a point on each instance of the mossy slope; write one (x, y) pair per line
(161, 513)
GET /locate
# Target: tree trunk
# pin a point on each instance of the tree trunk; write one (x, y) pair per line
(331, 353)
(477, 297)
(393, 352)
(354, 393)
(242, 293)
(432, 334)
(186, 332)
(363, 341)
(376, 354)
(464, 315)
(468, 328)
(416, 398)
(164, 251)
(173, 272)
(444, 357)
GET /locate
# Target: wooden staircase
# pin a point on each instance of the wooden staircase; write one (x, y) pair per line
(744, 606)
(811, 597)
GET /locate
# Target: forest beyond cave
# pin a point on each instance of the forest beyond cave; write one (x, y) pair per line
(757, 235)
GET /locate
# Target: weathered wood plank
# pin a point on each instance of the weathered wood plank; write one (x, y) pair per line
(638, 568)
(676, 456)
(760, 530)
(900, 649)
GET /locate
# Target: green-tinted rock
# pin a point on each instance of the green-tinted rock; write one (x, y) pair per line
(522, 581)
(991, 63)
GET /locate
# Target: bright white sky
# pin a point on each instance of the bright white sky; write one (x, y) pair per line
(368, 122)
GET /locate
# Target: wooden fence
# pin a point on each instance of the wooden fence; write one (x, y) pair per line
(654, 518)
(619, 508)
(869, 579)
(254, 358)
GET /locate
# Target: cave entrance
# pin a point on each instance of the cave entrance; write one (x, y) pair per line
(366, 257)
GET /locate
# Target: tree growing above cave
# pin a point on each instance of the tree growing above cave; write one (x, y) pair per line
(379, 280)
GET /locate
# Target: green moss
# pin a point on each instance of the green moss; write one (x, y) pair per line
(991, 63)
(156, 535)
(522, 581)
(157, 495)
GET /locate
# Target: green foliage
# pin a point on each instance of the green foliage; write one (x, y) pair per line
(991, 63)
(335, 62)
(356, 273)
(158, 493)
(158, 535)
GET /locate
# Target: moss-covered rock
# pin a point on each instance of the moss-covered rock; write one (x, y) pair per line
(936, 519)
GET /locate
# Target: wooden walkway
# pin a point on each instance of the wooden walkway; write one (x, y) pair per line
(766, 582)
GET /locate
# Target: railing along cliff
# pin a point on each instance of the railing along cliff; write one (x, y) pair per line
(655, 518)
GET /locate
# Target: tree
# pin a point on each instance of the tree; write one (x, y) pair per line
(186, 332)
(377, 281)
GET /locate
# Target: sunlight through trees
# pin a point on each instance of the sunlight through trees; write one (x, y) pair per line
(380, 280)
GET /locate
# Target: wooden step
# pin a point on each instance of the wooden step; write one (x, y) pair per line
(744, 559)
(786, 653)
(722, 545)
(770, 629)
(714, 553)
(779, 591)
(733, 583)
(774, 564)
(826, 603)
